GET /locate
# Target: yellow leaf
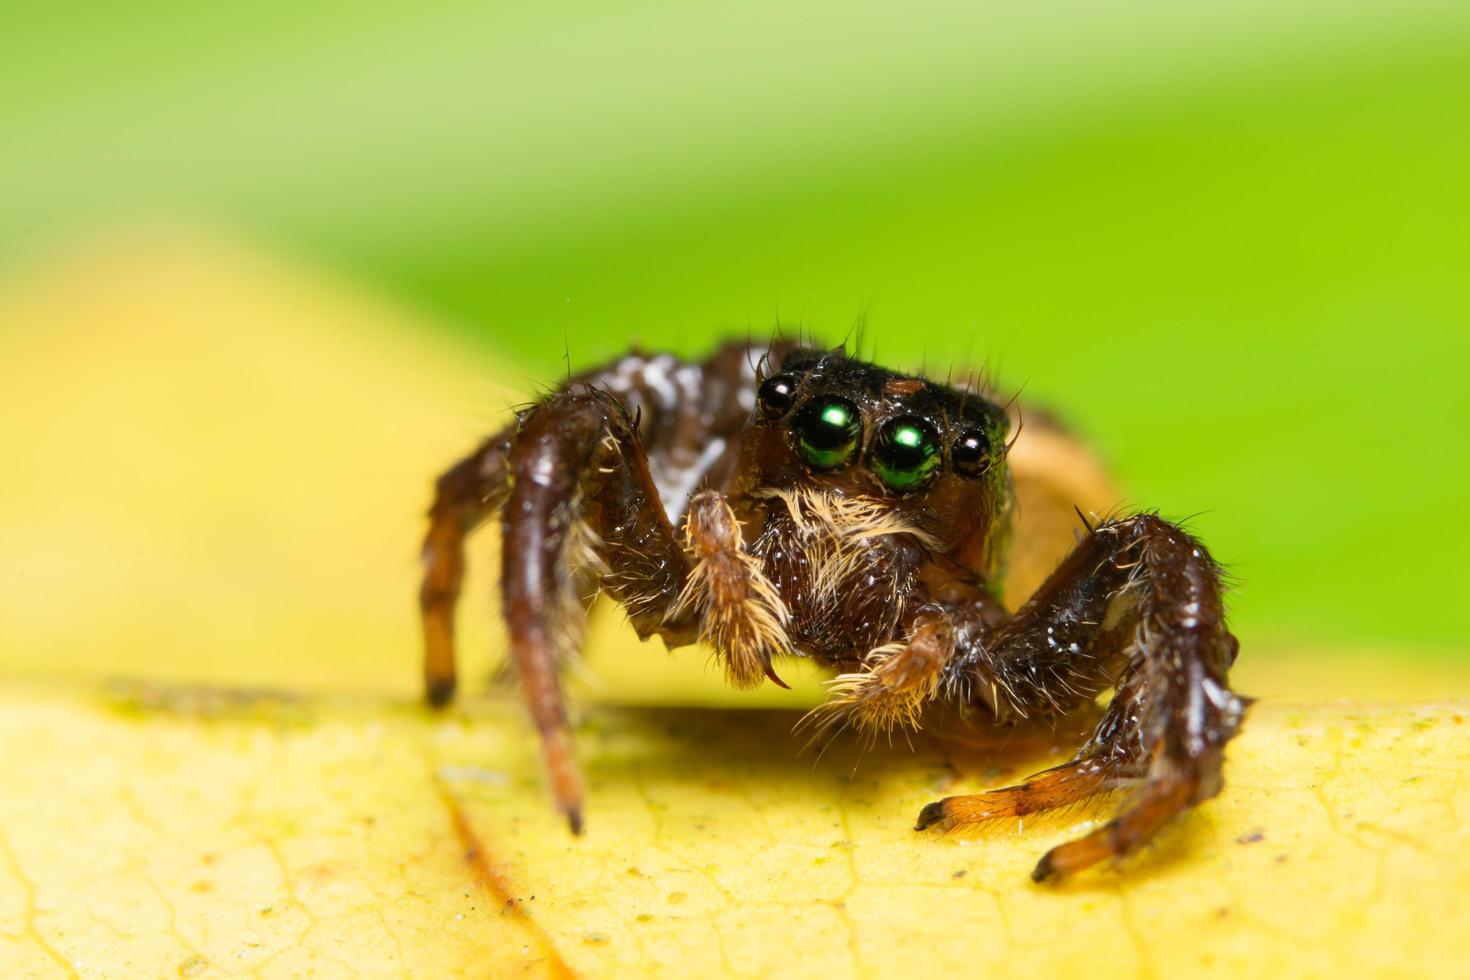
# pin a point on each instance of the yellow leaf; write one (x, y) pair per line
(215, 762)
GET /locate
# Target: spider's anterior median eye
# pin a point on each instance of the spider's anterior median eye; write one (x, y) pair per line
(906, 452)
(827, 431)
(776, 395)
(971, 454)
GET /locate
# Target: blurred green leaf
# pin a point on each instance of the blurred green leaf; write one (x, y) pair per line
(1227, 240)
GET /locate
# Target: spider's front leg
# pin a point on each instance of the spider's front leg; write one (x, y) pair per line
(1136, 606)
(582, 496)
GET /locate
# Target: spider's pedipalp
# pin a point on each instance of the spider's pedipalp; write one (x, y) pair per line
(897, 681)
(740, 613)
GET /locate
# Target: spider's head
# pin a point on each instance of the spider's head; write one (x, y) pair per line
(931, 455)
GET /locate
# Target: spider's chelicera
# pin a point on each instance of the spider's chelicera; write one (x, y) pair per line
(799, 502)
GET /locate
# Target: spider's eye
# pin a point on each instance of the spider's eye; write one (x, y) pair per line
(906, 452)
(827, 431)
(776, 395)
(971, 454)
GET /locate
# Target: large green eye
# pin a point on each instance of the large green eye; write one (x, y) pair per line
(906, 452)
(827, 431)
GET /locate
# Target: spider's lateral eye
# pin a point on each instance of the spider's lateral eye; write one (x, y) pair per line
(906, 452)
(971, 452)
(827, 431)
(776, 395)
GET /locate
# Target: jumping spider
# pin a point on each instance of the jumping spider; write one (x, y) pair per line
(800, 502)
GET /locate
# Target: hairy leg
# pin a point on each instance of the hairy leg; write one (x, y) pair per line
(582, 494)
(1136, 605)
(1050, 789)
(579, 480)
(464, 497)
(739, 611)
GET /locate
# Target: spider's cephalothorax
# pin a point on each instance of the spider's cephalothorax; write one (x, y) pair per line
(799, 502)
(857, 484)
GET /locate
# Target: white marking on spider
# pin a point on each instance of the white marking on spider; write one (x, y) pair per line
(676, 496)
(657, 375)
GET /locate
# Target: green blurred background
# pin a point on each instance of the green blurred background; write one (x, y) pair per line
(1228, 240)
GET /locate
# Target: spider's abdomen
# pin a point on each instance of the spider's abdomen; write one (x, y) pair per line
(689, 416)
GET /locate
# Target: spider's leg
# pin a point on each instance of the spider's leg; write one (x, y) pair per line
(579, 478)
(1060, 786)
(464, 497)
(1138, 606)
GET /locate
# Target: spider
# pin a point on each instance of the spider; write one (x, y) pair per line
(801, 502)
